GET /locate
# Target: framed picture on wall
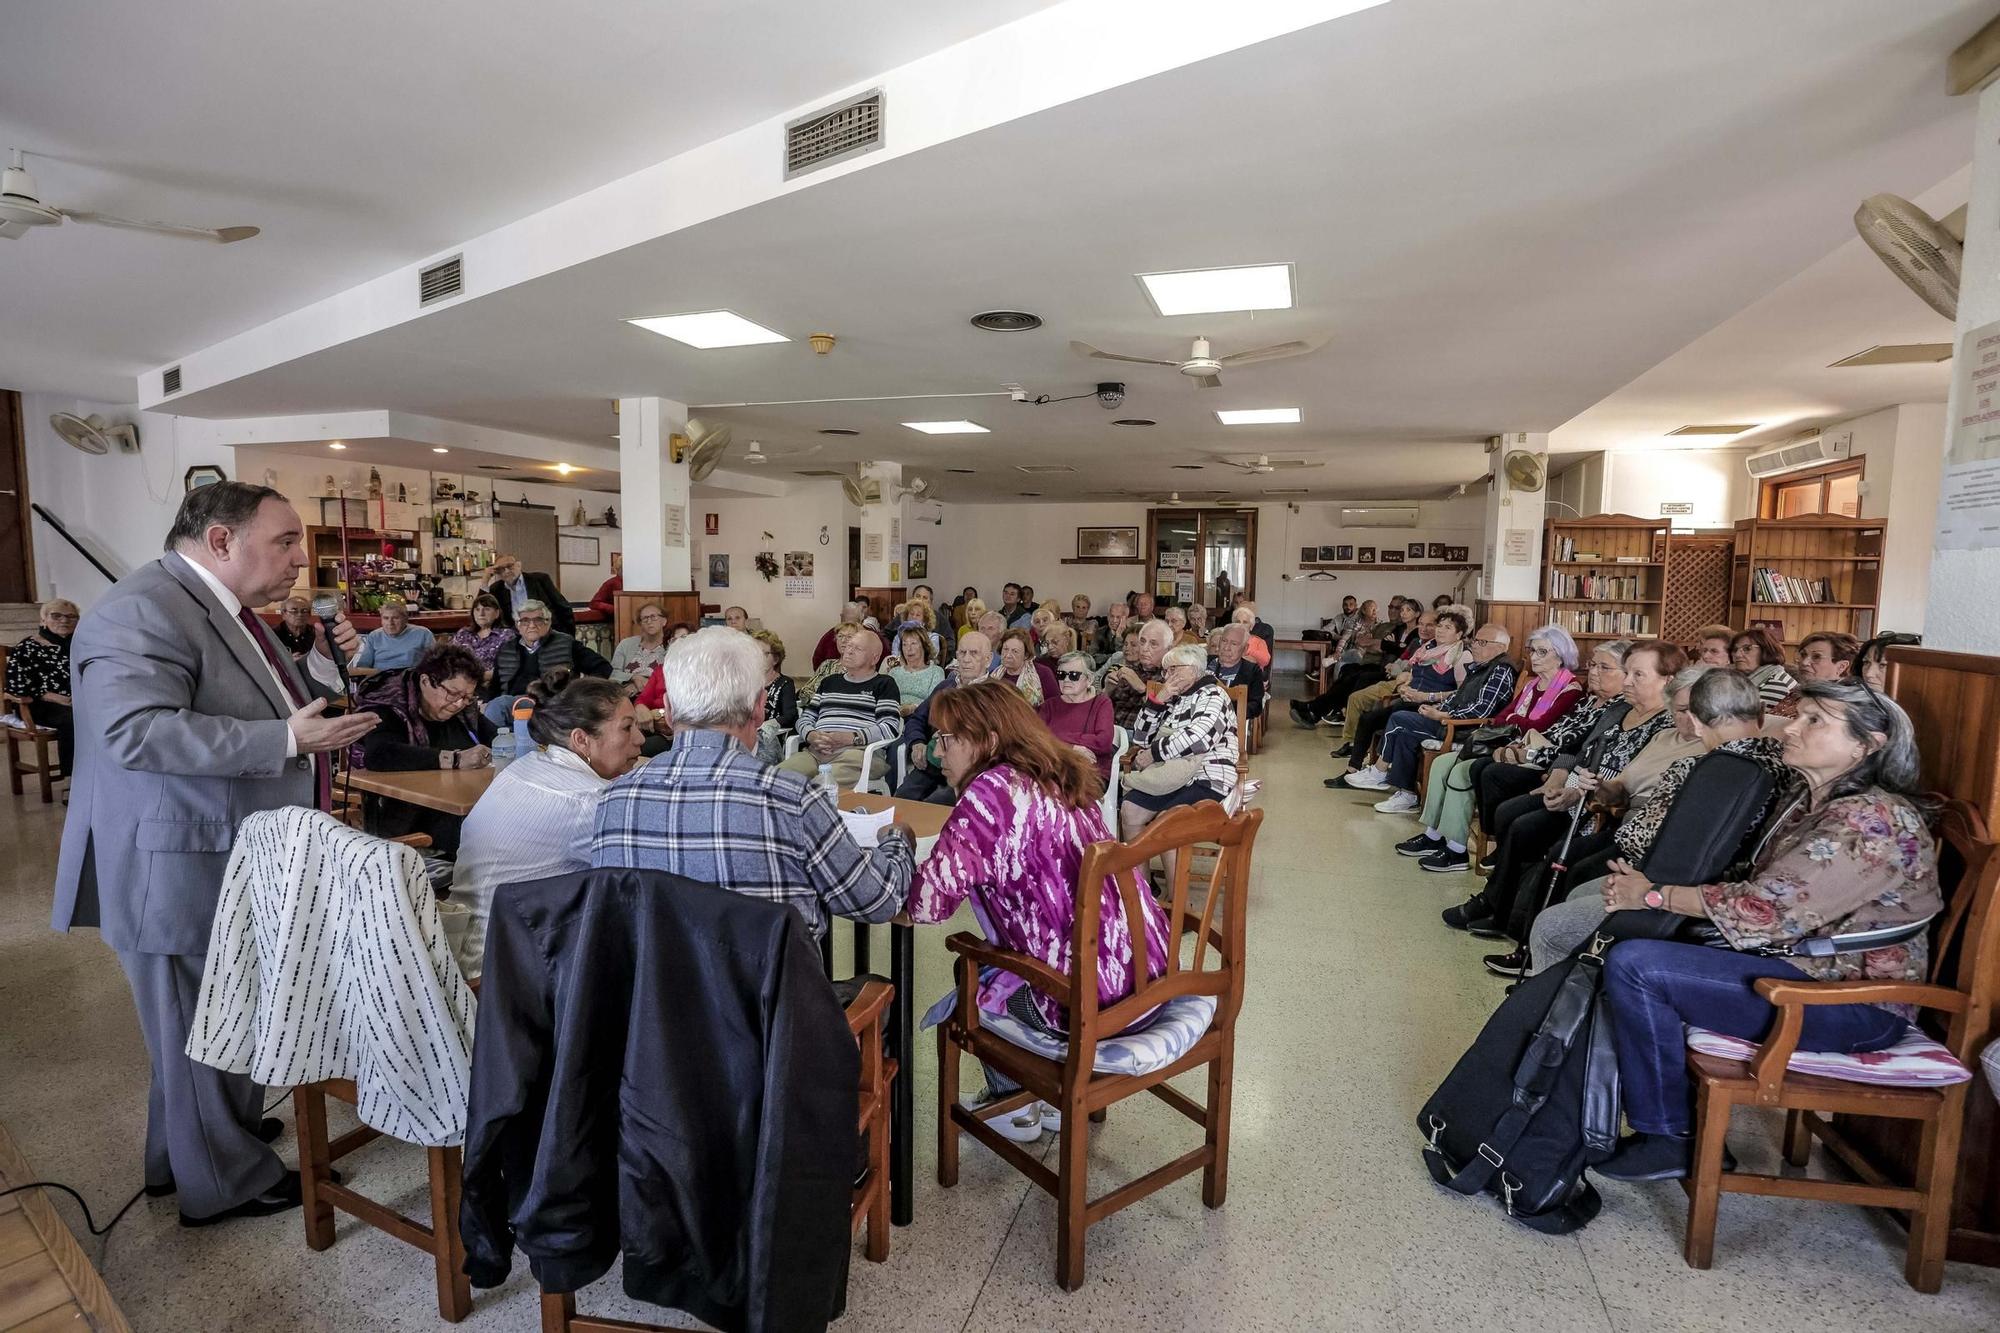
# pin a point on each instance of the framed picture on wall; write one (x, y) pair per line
(1436, 551)
(1416, 550)
(1107, 543)
(1343, 554)
(205, 475)
(1309, 555)
(1332, 554)
(1391, 556)
(718, 571)
(1458, 555)
(920, 561)
(1366, 556)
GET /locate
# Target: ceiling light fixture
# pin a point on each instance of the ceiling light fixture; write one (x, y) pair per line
(838, 430)
(710, 328)
(1726, 428)
(948, 427)
(1135, 421)
(1207, 291)
(439, 449)
(336, 445)
(1187, 467)
(1259, 416)
(564, 469)
(1006, 321)
(961, 471)
(1029, 495)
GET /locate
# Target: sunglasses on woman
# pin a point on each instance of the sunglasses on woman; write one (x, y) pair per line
(1072, 675)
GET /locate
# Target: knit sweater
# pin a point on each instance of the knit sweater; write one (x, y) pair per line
(872, 707)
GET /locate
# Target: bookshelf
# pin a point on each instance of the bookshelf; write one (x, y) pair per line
(1806, 575)
(1605, 577)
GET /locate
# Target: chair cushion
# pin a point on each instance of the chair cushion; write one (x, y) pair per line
(1162, 1039)
(1914, 1062)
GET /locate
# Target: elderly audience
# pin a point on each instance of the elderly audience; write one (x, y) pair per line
(483, 637)
(711, 811)
(429, 720)
(514, 587)
(853, 708)
(1078, 715)
(828, 647)
(536, 650)
(913, 669)
(295, 625)
(1827, 655)
(1547, 694)
(1184, 742)
(1258, 649)
(1435, 670)
(1019, 668)
(397, 643)
(1757, 653)
(1228, 664)
(538, 817)
(1486, 684)
(924, 780)
(1013, 846)
(1377, 650)
(38, 671)
(1711, 645)
(636, 657)
(1853, 855)
(1131, 682)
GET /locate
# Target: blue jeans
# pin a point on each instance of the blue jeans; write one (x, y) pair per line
(1403, 746)
(500, 711)
(1653, 987)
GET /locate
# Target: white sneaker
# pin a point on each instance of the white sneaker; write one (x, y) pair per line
(1022, 1126)
(1402, 803)
(1051, 1118)
(1367, 778)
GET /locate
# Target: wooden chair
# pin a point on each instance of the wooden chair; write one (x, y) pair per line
(1073, 1083)
(29, 733)
(1455, 730)
(1239, 699)
(321, 1196)
(866, 1014)
(1965, 984)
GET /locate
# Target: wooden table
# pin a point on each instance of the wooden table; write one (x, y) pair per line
(454, 791)
(926, 821)
(1314, 649)
(46, 1281)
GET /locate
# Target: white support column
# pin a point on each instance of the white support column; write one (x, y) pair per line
(651, 487)
(1513, 558)
(882, 528)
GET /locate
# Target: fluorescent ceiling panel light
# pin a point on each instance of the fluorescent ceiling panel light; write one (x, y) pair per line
(948, 427)
(439, 449)
(1259, 416)
(336, 445)
(710, 328)
(1206, 291)
(1723, 428)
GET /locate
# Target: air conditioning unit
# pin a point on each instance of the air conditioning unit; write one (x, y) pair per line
(1810, 451)
(1379, 516)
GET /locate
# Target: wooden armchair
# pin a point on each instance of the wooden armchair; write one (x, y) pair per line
(866, 1013)
(1101, 1063)
(29, 733)
(1455, 730)
(1965, 984)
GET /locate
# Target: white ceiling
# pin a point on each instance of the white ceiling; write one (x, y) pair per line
(1500, 214)
(361, 136)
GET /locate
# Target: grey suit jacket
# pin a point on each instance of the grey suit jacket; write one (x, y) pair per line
(180, 733)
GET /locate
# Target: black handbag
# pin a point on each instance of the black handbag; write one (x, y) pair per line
(1704, 833)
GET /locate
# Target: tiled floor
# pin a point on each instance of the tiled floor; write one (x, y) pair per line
(1358, 1003)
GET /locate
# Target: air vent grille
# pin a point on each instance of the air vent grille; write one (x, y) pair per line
(170, 380)
(1033, 468)
(443, 279)
(817, 472)
(1897, 354)
(1724, 428)
(839, 132)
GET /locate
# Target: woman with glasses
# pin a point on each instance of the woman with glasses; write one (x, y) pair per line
(1189, 717)
(1027, 810)
(1079, 716)
(38, 671)
(636, 658)
(429, 720)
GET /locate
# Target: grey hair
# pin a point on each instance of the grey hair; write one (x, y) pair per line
(1685, 678)
(1723, 695)
(1893, 765)
(714, 678)
(1618, 648)
(1085, 660)
(531, 606)
(1162, 626)
(1185, 654)
(1558, 641)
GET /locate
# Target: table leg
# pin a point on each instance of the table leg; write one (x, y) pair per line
(863, 954)
(903, 1097)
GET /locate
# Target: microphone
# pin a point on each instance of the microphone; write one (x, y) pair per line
(326, 608)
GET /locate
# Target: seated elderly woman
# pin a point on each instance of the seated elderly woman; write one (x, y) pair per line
(38, 671)
(1378, 649)
(536, 818)
(1187, 731)
(1027, 810)
(397, 643)
(852, 709)
(1197, 618)
(1711, 645)
(1488, 681)
(429, 720)
(1257, 650)
(914, 669)
(1827, 655)
(1547, 693)
(1850, 866)
(1757, 653)
(1019, 668)
(1078, 715)
(1435, 672)
(1723, 711)
(1177, 621)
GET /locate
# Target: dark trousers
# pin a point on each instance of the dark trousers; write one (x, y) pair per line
(1527, 831)
(1498, 783)
(1373, 721)
(1653, 987)
(1346, 681)
(62, 719)
(927, 784)
(1403, 746)
(1590, 855)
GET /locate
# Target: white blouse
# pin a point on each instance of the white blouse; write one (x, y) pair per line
(533, 822)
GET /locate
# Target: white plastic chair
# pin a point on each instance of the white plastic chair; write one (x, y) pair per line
(1120, 738)
(795, 741)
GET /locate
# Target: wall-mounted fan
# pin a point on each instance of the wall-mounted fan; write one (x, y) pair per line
(94, 435)
(22, 209)
(1925, 252)
(1525, 470)
(705, 447)
(1201, 365)
(861, 491)
(920, 488)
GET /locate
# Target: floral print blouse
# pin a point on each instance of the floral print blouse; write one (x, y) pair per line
(1014, 851)
(39, 665)
(1858, 862)
(486, 649)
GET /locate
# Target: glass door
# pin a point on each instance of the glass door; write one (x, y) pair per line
(1201, 555)
(1226, 556)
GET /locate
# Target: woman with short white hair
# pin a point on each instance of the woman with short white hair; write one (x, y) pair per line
(38, 671)
(1187, 731)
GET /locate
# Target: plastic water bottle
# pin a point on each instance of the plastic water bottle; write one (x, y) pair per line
(826, 777)
(503, 750)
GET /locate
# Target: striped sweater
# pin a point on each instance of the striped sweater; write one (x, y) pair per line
(871, 707)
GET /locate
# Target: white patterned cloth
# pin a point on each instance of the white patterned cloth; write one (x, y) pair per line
(327, 960)
(1913, 1062)
(1154, 1042)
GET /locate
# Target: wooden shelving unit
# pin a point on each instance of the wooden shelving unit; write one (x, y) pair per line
(1623, 574)
(1843, 556)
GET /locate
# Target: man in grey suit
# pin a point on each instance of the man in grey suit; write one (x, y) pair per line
(190, 715)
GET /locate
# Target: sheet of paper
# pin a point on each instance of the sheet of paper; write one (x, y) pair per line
(865, 827)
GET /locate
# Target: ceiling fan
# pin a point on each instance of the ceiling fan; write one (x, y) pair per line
(1264, 464)
(756, 456)
(1202, 366)
(920, 488)
(21, 208)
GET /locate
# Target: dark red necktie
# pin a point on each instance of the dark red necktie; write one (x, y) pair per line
(322, 770)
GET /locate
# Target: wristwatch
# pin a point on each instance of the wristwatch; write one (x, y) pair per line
(1654, 898)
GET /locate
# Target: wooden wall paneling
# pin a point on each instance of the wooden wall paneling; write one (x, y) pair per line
(1697, 582)
(682, 608)
(1520, 618)
(882, 602)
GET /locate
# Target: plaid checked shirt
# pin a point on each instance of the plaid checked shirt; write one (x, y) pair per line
(1483, 694)
(712, 811)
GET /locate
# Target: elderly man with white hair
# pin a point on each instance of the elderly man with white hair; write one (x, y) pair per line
(710, 810)
(1189, 721)
(1130, 683)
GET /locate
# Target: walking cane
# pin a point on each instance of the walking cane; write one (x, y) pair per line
(1557, 868)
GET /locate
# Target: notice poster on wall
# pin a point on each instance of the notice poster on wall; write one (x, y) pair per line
(871, 547)
(1520, 547)
(1969, 499)
(676, 531)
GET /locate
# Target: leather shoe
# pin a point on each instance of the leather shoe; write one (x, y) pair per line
(281, 1197)
(1649, 1157)
(269, 1130)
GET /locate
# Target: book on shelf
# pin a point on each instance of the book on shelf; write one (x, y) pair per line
(1630, 559)
(1604, 587)
(1624, 624)
(1771, 585)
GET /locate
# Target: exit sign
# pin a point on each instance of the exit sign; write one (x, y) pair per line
(1671, 508)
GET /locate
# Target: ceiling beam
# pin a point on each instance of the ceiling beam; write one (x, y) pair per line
(1973, 65)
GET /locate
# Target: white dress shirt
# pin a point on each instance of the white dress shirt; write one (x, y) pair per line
(317, 663)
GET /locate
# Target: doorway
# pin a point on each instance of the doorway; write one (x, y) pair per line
(17, 555)
(1201, 555)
